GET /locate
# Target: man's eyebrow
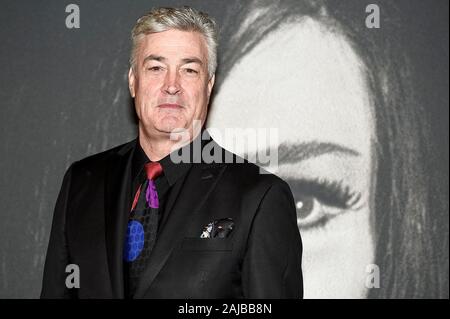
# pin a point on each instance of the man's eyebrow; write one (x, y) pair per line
(154, 57)
(293, 153)
(192, 60)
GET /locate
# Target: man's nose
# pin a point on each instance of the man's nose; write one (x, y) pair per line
(172, 83)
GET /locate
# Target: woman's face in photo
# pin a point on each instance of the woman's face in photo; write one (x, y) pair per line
(309, 84)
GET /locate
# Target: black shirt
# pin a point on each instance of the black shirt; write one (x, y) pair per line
(172, 174)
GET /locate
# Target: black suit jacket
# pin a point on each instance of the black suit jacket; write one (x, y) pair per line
(261, 258)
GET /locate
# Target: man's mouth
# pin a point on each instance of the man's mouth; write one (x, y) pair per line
(170, 106)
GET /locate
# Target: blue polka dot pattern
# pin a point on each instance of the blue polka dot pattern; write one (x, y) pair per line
(134, 240)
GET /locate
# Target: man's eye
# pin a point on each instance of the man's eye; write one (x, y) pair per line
(190, 71)
(154, 68)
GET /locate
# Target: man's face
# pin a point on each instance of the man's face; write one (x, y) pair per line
(170, 83)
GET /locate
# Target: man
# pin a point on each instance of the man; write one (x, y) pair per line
(138, 224)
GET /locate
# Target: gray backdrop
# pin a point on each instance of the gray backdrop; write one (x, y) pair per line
(64, 96)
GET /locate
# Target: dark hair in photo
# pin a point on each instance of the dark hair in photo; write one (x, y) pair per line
(410, 217)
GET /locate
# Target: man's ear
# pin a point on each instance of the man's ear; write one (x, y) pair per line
(211, 84)
(132, 82)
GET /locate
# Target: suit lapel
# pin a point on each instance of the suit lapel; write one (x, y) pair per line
(196, 188)
(117, 186)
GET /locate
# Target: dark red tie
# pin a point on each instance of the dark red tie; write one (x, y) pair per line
(153, 170)
(142, 225)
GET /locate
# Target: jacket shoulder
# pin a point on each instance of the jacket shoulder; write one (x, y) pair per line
(248, 172)
(97, 162)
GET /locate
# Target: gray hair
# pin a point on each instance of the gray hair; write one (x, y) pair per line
(184, 19)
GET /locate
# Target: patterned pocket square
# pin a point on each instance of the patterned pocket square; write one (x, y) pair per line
(220, 228)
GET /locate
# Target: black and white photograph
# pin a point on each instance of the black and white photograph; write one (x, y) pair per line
(257, 149)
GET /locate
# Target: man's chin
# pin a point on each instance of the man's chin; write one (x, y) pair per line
(171, 128)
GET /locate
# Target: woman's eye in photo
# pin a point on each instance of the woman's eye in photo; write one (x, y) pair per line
(319, 201)
(312, 213)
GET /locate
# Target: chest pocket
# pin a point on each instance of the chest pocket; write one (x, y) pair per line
(203, 244)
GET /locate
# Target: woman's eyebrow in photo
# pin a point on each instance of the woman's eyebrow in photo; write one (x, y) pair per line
(292, 153)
